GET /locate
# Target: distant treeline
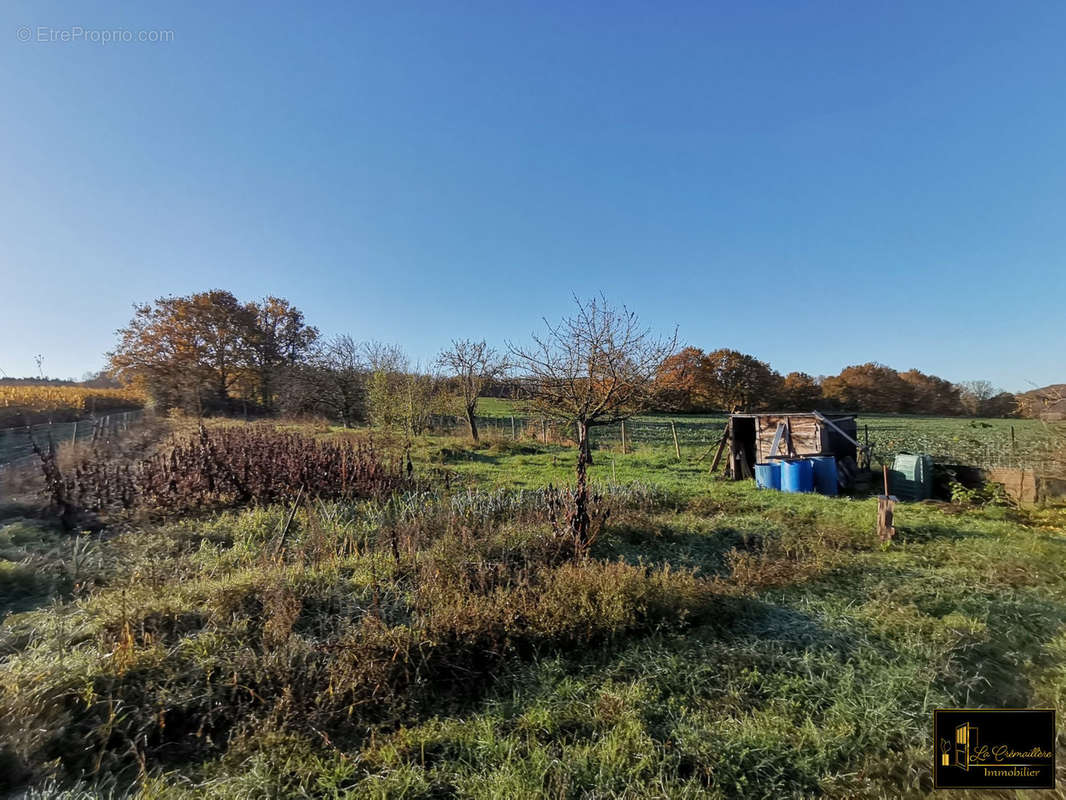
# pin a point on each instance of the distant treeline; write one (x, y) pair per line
(211, 353)
(721, 380)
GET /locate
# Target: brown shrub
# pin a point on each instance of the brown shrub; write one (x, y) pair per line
(230, 466)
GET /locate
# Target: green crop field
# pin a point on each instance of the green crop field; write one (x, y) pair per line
(718, 641)
(956, 440)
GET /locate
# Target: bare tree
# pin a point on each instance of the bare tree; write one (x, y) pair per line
(975, 394)
(596, 367)
(474, 365)
(384, 357)
(333, 380)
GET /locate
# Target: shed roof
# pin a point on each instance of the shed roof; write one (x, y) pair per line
(753, 414)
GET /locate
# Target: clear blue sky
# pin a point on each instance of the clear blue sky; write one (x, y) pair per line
(816, 183)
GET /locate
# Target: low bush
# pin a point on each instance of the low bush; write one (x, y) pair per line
(232, 466)
(988, 494)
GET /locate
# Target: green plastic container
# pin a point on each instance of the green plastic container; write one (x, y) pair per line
(912, 477)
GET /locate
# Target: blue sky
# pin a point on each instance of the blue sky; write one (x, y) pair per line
(819, 184)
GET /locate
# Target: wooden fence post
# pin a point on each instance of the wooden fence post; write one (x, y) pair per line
(885, 529)
(514, 433)
(74, 435)
(677, 447)
(623, 437)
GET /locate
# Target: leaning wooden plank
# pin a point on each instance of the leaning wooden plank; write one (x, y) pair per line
(777, 440)
(721, 445)
(830, 423)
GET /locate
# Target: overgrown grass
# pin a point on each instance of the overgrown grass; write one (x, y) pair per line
(720, 642)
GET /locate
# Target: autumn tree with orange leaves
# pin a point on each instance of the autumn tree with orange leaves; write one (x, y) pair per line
(201, 351)
(682, 382)
(721, 380)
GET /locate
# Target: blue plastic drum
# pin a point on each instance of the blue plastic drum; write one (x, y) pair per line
(825, 474)
(797, 476)
(768, 476)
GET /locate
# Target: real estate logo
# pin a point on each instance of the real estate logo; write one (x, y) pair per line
(986, 748)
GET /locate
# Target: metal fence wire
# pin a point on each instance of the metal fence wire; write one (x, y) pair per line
(639, 430)
(16, 444)
(986, 449)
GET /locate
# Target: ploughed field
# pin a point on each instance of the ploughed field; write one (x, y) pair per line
(428, 632)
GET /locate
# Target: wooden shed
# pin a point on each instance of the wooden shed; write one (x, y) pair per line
(758, 438)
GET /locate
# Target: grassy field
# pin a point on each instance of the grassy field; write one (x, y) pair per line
(720, 642)
(959, 440)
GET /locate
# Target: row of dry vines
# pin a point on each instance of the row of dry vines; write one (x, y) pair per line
(226, 467)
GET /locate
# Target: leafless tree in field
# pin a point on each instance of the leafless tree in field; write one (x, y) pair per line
(975, 394)
(474, 365)
(384, 357)
(332, 380)
(594, 368)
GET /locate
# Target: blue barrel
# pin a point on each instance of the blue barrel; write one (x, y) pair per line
(797, 476)
(825, 474)
(768, 476)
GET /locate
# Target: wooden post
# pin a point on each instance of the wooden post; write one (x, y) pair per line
(544, 430)
(623, 437)
(74, 436)
(514, 432)
(885, 504)
(677, 447)
(726, 435)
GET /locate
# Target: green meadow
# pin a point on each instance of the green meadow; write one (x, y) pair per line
(962, 440)
(718, 642)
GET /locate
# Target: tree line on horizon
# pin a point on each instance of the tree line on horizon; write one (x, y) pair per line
(694, 381)
(209, 353)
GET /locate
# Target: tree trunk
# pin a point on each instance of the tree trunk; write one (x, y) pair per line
(266, 393)
(472, 422)
(581, 522)
(222, 392)
(583, 441)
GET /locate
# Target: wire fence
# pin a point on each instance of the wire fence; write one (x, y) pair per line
(636, 431)
(16, 444)
(980, 449)
(693, 438)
